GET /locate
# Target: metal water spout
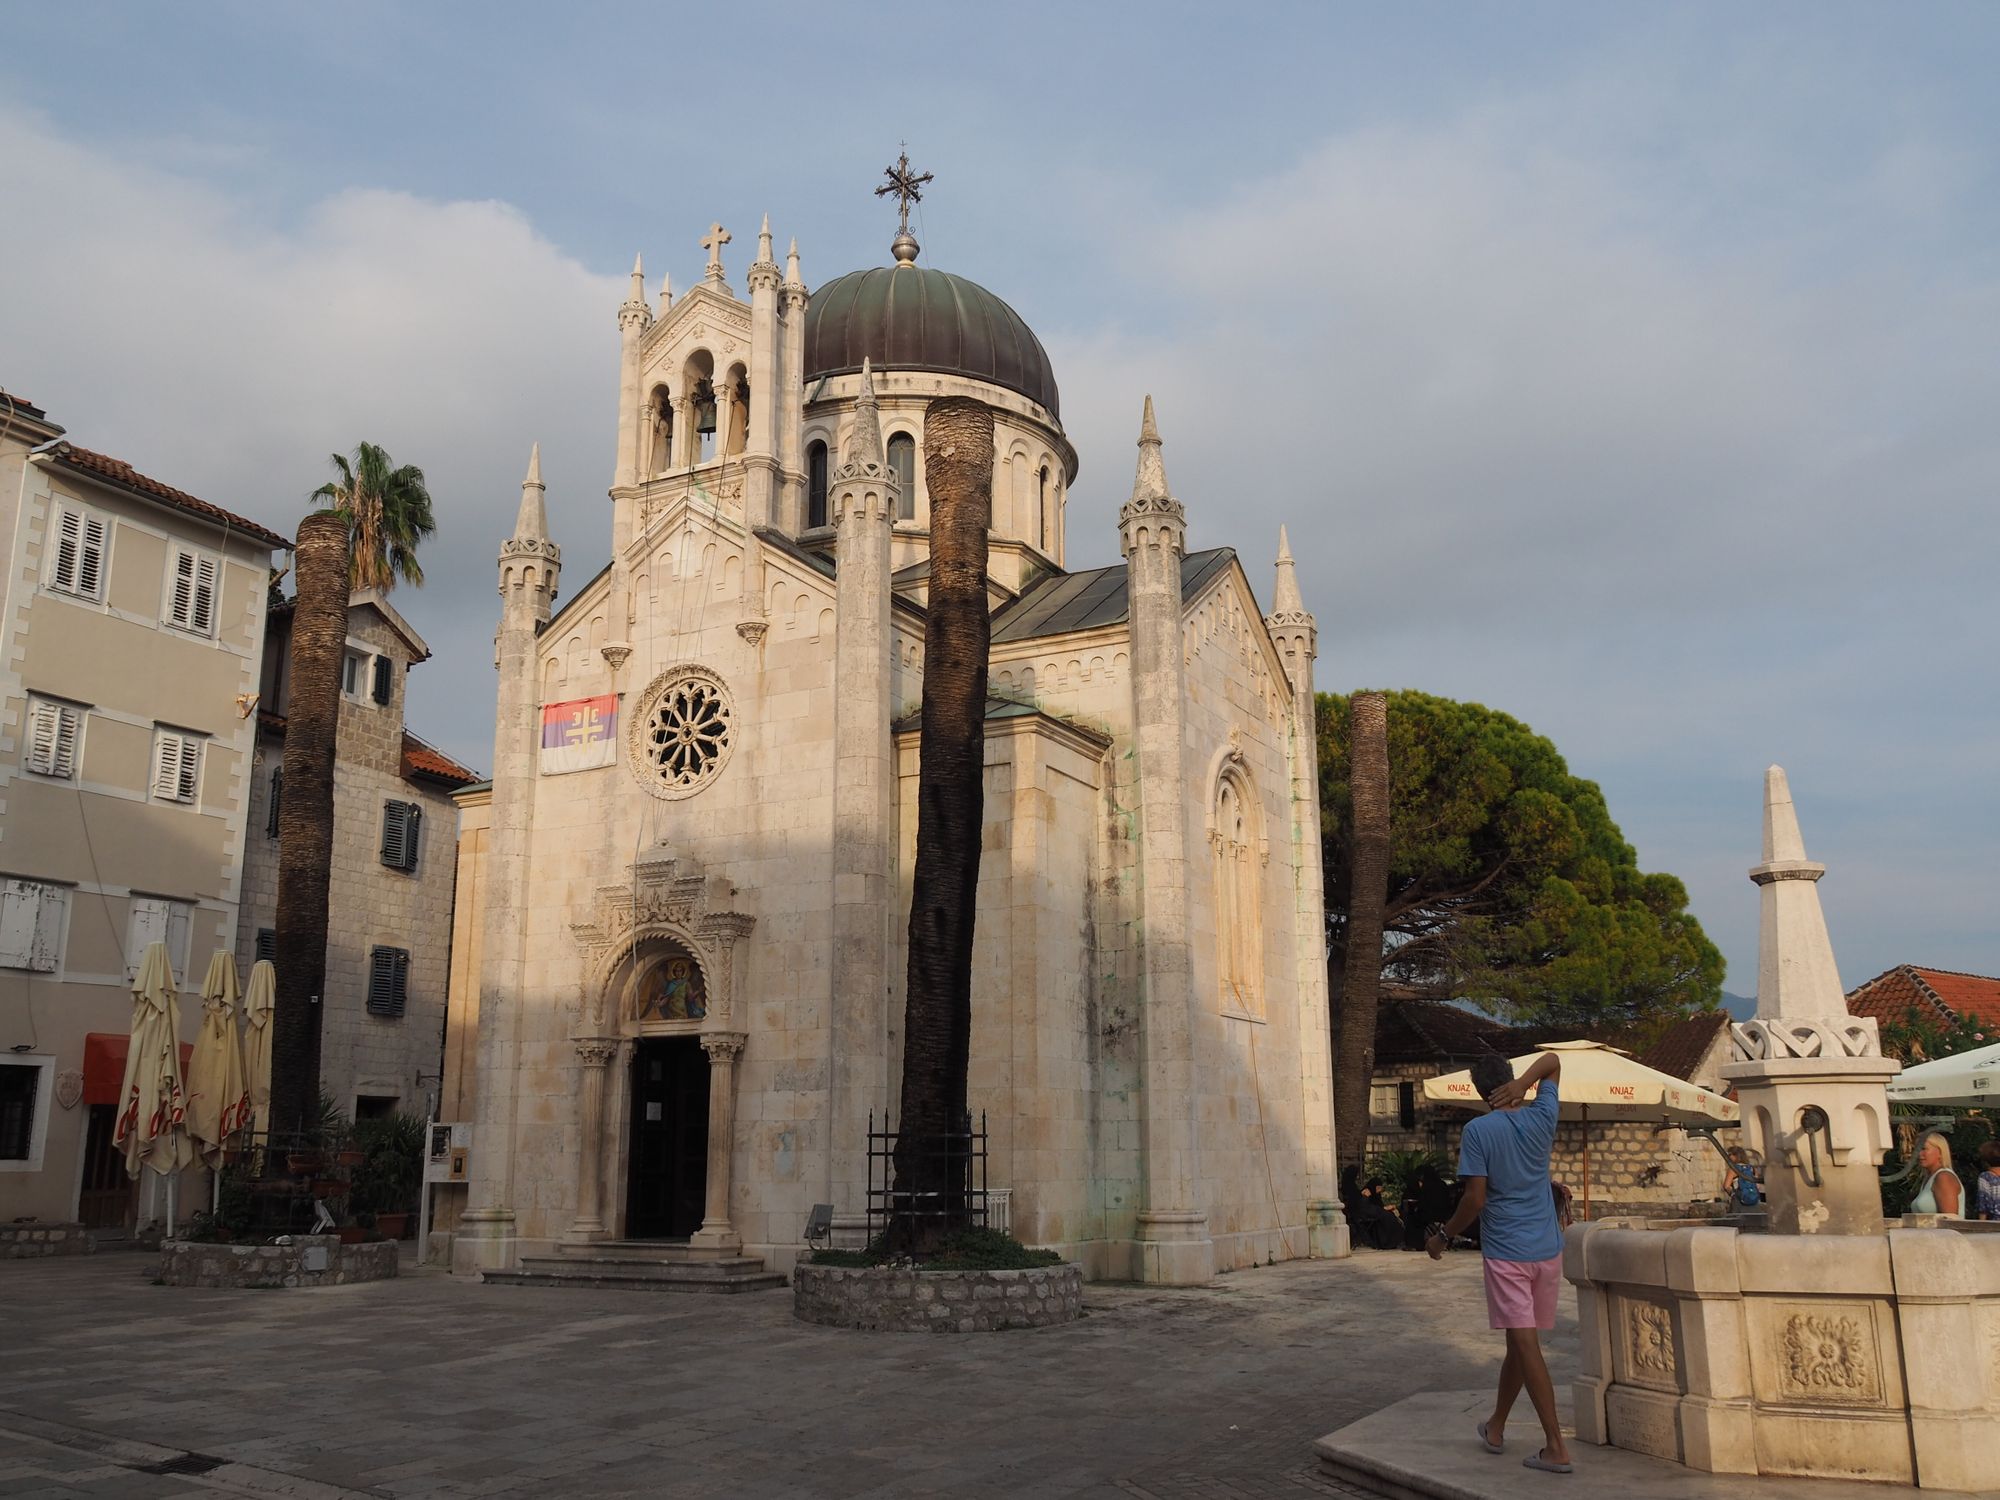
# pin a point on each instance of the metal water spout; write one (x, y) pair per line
(1810, 1078)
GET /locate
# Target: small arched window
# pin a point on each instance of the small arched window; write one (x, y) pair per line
(1042, 509)
(816, 485)
(903, 464)
(1239, 938)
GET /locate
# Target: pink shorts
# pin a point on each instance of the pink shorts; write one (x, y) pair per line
(1522, 1293)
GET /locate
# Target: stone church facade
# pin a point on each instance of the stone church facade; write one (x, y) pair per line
(694, 880)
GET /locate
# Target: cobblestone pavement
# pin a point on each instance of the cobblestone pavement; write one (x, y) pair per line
(435, 1386)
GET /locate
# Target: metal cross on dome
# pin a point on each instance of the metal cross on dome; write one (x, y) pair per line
(907, 188)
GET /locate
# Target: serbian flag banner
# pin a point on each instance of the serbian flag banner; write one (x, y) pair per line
(579, 735)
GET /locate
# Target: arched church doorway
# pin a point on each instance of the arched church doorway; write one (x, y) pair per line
(667, 1171)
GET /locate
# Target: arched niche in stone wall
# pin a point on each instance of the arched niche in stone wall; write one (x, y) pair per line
(666, 914)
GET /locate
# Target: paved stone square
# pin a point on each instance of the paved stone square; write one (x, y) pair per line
(431, 1385)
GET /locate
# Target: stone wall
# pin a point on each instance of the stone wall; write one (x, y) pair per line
(892, 1300)
(309, 1260)
(31, 1241)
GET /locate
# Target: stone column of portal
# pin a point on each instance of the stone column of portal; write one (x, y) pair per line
(760, 446)
(716, 1235)
(1296, 635)
(595, 1055)
(530, 574)
(634, 458)
(791, 406)
(1173, 1242)
(863, 497)
(1811, 1078)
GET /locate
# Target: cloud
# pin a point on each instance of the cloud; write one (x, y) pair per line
(172, 327)
(1588, 436)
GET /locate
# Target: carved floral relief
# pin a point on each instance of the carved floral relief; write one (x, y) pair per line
(1828, 1356)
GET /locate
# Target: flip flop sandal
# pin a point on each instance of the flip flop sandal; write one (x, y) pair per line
(1536, 1461)
(1487, 1443)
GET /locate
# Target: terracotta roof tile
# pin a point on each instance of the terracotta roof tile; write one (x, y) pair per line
(120, 473)
(420, 759)
(1940, 992)
(1683, 1045)
(1415, 1031)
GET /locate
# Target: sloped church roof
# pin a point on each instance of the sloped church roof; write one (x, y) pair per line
(1083, 601)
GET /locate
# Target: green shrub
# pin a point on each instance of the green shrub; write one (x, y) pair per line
(967, 1250)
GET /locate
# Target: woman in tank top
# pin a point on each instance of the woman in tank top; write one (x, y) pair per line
(1942, 1192)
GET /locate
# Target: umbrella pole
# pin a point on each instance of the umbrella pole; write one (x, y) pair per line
(1586, 1164)
(173, 1180)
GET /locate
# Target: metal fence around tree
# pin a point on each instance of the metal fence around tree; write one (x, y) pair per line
(960, 1156)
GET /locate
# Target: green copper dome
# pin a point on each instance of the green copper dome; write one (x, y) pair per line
(909, 317)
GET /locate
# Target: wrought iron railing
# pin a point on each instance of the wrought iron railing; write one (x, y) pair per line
(960, 1156)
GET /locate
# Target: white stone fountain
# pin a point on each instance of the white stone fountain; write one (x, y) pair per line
(1829, 1343)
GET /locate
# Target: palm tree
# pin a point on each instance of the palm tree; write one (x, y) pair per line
(365, 536)
(1361, 980)
(937, 1022)
(388, 511)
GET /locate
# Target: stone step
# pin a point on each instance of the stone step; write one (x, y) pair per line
(719, 1268)
(654, 1278)
(655, 1250)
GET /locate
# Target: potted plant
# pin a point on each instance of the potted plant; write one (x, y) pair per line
(391, 1172)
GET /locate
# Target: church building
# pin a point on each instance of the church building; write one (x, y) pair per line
(693, 882)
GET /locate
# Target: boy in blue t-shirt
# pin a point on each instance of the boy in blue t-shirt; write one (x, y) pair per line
(1503, 1162)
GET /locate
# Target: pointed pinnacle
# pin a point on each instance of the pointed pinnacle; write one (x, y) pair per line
(666, 291)
(638, 293)
(534, 466)
(1782, 840)
(532, 520)
(1150, 483)
(792, 264)
(1285, 596)
(864, 446)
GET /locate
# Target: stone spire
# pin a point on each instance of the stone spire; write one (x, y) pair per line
(764, 242)
(1292, 627)
(1285, 597)
(1152, 503)
(532, 520)
(666, 292)
(1796, 977)
(864, 440)
(633, 314)
(792, 277)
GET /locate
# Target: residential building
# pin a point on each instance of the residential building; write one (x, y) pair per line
(131, 637)
(394, 838)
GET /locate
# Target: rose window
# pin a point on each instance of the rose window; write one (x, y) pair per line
(683, 736)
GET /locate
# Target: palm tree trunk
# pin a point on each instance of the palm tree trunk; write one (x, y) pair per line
(1368, 890)
(305, 817)
(937, 1019)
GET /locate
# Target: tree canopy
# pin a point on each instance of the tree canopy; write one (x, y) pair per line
(388, 512)
(1509, 885)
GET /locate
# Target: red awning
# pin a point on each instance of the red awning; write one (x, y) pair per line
(104, 1064)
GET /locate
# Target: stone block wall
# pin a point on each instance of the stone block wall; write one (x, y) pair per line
(892, 1300)
(309, 1260)
(33, 1241)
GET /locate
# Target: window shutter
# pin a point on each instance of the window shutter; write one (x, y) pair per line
(180, 608)
(20, 910)
(277, 800)
(146, 925)
(394, 836)
(384, 672)
(166, 765)
(413, 822)
(69, 547)
(202, 616)
(52, 733)
(267, 945)
(188, 788)
(90, 558)
(180, 929)
(388, 981)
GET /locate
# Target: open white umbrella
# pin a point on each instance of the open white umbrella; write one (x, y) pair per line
(1602, 1083)
(152, 1107)
(258, 1003)
(1965, 1078)
(218, 1097)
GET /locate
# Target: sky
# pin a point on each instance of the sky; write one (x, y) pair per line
(1630, 369)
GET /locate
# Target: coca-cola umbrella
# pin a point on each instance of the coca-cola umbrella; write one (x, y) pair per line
(152, 1105)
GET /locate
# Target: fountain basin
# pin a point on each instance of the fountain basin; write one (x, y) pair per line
(1866, 1356)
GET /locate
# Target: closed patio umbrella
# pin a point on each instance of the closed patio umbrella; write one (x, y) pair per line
(1965, 1078)
(152, 1106)
(258, 1003)
(1602, 1083)
(218, 1097)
